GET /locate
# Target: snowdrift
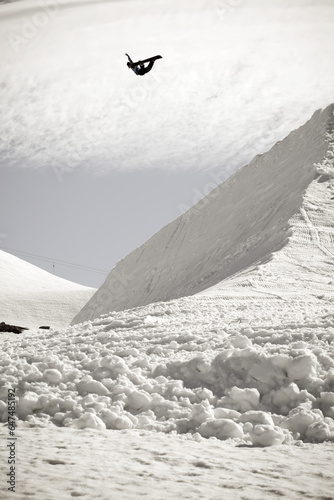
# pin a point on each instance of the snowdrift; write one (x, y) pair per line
(239, 224)
(256, 372)
(33, 297)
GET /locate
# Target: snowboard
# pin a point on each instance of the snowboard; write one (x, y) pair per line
(143, 61)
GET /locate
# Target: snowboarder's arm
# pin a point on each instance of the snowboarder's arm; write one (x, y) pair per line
(129, 58)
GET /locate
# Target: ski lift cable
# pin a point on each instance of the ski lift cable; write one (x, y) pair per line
(57, 261)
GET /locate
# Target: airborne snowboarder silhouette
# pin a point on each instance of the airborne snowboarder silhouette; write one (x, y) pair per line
(139, 67)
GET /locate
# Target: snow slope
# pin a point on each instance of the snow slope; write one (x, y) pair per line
(249, 359)
(32, 297)
(275, 208)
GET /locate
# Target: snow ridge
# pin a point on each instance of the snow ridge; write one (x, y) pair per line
(240, 224)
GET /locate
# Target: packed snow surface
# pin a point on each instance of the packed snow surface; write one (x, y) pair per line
(32, 297)
(133, 464)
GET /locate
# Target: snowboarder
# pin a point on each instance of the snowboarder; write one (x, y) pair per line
(139, 67)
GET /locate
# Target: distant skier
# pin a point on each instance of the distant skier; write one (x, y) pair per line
(139, 67)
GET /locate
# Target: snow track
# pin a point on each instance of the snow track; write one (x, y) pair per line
(318, 236)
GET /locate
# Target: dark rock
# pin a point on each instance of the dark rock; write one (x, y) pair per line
(11, 328)
(44, 328)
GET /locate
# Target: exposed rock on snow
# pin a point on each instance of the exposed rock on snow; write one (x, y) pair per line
(240, 224)
(11, 328)
(30, 296)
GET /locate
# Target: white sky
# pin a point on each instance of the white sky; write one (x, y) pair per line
(94, 160)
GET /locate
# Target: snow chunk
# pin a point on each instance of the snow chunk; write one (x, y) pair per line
(123, 422)
(318, 432)
(88, 385)
(28, 404)
(89, 420)
(221, 428)
(59, 417)
(301, 367)
(226, 413)
(266, 435)
(240, 342)
(241, 399)
(327, 404)
(53, 376)
(138, 400)
(202, 412)
(256, 417)
(267, 373)
(300, 418)
(115, 365)
(285, 397)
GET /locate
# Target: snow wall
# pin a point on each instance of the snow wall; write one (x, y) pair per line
(240, 223)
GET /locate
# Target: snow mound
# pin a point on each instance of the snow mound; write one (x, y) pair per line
(31, 297)
(240, 224)
(185, 366)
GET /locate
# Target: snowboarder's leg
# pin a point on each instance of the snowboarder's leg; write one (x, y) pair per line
(135, 69)
(149, 67)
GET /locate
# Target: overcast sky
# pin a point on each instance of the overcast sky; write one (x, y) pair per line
(94, 160)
